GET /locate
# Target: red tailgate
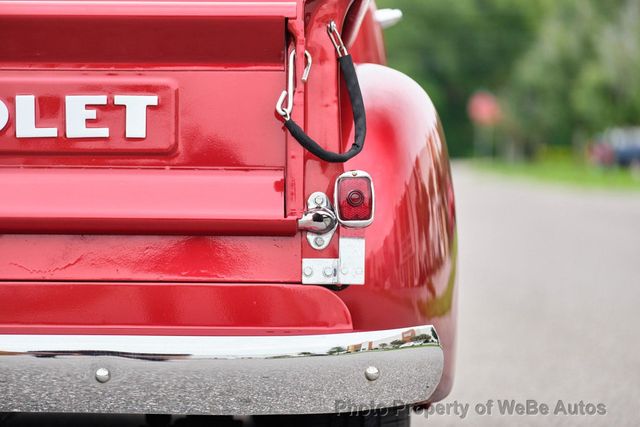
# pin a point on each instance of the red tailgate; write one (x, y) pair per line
(210, 160)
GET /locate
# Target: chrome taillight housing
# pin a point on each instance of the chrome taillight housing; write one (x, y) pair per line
(354, 199)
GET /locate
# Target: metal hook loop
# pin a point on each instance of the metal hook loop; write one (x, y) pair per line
(334, 35)
(291, 85)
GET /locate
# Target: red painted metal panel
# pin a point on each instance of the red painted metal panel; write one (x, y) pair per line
(143, 201)
(150, 258)
(120, 42)
(368, 43)
(170, 309)
(173, 8)
(217, 125)
(224, 124)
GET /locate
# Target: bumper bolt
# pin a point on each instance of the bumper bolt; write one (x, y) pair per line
(103, 375)
(372, 373)
(308, 271)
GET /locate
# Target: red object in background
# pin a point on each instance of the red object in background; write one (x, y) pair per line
(226, 124)
(484, 109)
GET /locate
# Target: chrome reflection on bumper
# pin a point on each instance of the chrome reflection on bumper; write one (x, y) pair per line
(218, 375)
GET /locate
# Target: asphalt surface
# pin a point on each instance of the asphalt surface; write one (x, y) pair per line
(549, 301)
(548, 305)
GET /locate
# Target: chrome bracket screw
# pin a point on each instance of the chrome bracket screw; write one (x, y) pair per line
(103, 375)
(308, 271)
(328, 272)
(372, 373)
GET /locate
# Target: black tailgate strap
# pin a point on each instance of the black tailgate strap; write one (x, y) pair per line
(348, 72)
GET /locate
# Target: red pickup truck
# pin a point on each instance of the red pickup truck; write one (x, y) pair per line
(192, 223)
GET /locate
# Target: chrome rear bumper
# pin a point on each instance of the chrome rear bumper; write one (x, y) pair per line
(217, 375)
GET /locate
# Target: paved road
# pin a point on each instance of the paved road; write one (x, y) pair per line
(549, 300)
(549, 304)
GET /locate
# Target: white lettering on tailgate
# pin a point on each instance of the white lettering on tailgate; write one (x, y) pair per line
(77, 112)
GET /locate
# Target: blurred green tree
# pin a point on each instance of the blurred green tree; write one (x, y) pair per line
(453, 48)
(581, 75)
(564, 70)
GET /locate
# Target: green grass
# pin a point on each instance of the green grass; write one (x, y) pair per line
(565, 171)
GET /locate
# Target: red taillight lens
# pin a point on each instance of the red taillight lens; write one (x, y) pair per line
(354, 199)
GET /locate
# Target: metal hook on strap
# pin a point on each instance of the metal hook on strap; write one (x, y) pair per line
(350, 78)
(291, 84)
(336, 39)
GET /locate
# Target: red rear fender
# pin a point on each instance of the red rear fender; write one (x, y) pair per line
(410, 247)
